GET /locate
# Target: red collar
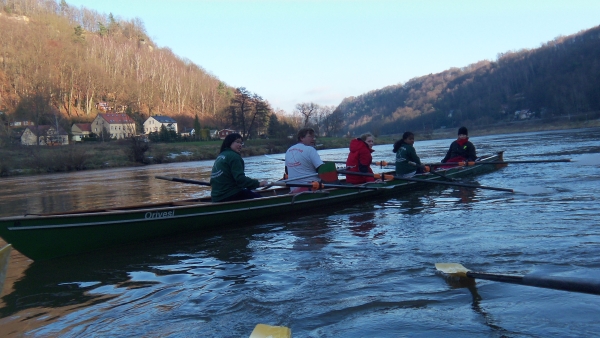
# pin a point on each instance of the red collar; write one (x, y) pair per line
(462, 141)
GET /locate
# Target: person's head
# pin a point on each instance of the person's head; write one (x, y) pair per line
(306, 136)
(463, 132)
(407, 138)
(368, 139)
(233, 141)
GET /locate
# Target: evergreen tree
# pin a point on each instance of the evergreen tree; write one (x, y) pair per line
(102, 30)
(165, 136)
(274, 126)
(197, 128)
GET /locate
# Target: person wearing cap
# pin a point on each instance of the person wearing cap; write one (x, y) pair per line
(461, 149)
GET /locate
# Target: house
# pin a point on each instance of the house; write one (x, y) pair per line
(102, 106)
(113, 125)
(523, 114)
(224, 132)
(154, 123)
(214, 134)
(81, 130)
(21, 124)
(44, 135)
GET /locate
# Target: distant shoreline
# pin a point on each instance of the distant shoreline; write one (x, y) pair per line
(508, 128)
(32, 160)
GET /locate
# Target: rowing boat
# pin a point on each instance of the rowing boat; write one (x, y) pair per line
(46, 236)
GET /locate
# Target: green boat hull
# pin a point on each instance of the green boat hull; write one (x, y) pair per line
(48, 236)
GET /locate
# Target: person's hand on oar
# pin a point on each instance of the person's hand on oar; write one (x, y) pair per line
(427, 169)
(269, 184)
(551, 282)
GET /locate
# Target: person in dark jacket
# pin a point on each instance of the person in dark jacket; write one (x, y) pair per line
(360, 158)
(227, 179)
(461, 149)
(405, 154)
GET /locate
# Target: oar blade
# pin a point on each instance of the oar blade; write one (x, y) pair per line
(4, 258)
(269, 331)
(328, 172)
(455, 269)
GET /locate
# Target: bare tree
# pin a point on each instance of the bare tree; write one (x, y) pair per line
(307, 110)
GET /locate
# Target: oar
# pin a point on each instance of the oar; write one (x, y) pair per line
(431, 181)
(471, 163)
(269, 331)
(428, 169)
(289, 179)
(182, 180)
(320, 185)
(4, 258)
(550, 282)
(381, 163)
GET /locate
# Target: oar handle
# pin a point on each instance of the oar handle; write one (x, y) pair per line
(550, 282)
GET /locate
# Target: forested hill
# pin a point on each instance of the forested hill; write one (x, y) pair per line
(562, 77)
(60, 60)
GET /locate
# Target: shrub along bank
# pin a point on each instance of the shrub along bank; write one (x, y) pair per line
(23, 160)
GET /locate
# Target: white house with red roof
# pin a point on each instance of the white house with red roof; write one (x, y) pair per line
(224, 132)
(80, 131)
(116, 125)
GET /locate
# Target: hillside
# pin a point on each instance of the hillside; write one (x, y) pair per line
(57, 60)
(557, 80)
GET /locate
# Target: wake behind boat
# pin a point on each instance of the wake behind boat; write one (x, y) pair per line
(53, 235)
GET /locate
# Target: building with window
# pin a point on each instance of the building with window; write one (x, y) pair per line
(80, 131)
(154, 123)
(113, 125)
(44, 135)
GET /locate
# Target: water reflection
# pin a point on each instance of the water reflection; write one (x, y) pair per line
(311, 233)
(348, 271)
(471, 285)
(52, 288)
(362, 224)
(464, 195)
(410, 204)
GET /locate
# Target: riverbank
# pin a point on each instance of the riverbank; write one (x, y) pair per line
(33, 160)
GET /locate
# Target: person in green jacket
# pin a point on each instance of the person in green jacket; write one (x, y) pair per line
(405, 153)
(227, 179)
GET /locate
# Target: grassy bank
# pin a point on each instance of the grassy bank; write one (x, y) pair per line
(28, 160)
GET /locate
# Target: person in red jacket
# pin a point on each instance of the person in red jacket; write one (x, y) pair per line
(359, 159)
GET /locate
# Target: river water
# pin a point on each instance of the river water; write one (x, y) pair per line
(364, 270)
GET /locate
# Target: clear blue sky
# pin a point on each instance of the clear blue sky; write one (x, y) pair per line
(291, 52)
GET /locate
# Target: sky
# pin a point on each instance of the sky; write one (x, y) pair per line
(292, 52)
